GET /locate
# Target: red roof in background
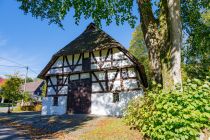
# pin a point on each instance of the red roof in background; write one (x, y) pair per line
(2, 80)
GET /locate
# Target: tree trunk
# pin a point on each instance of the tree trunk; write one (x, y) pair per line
(164, 31)
(12, 105)
(151, 38)
(175, 40)
(2, 99)
(9, 108)
(155, 64)
(163, 41)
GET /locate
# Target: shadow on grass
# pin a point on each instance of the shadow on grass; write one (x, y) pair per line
(45, 124)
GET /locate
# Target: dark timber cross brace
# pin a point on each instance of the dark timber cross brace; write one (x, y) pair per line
(104, 90)
(93, 63)
(96, 50)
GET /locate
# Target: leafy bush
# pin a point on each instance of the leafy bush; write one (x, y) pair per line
(172, 115)
(27, 108)
(26, 96)
(199, 71)
(17, 108)
(37, 107)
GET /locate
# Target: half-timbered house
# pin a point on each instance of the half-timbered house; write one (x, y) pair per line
(93, 74)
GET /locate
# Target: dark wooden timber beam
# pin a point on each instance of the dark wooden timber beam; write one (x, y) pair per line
(118, 91)
(98, 81)
(89, 71)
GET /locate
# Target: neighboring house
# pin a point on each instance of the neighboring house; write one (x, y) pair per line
(2, 81)
(34, 89)
(93, 74)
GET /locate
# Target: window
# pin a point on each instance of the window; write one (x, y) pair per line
(124, 73)
(86, 64)
(116, 97)
(55, 101)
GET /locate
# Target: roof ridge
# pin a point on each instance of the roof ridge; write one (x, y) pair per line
(91, 26)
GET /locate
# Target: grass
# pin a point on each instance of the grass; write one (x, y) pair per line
(111, 129)
(5, 104)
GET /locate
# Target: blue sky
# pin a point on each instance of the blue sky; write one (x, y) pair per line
(32, 42)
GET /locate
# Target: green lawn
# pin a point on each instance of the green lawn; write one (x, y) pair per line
(111, 129)
(108, 128)
(5, 104)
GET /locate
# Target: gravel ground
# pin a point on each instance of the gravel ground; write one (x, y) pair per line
(66, 127)
(9, 133)
(48, 124)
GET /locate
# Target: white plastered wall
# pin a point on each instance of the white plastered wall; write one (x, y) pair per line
(102, 103)
(49, 109)
(56, 68)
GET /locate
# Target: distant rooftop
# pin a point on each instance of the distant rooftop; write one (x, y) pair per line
(2, 80)
(32, 86)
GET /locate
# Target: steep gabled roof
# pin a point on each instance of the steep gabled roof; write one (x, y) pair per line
(92, 39)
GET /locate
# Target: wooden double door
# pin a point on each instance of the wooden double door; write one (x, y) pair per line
(79, 96)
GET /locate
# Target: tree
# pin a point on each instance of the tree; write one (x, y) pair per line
(162, 33)
(206, 17)
(44, 89)
(27, 97)
(196, 26)
(138, 48)
(137, 45)
(1, 94)
(11, 89)
(28, 80)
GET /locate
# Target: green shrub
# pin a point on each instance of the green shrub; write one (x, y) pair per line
(173, 115)
(38, 107)
(17, 108)
(27, 97)
(199, 71)
(27, 108)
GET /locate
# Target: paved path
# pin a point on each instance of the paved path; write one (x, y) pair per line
(9, 133)
(3, 109)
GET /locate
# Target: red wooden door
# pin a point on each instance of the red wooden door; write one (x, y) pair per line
(79, 96)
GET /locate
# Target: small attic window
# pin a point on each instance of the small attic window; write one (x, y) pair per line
(116, 97)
